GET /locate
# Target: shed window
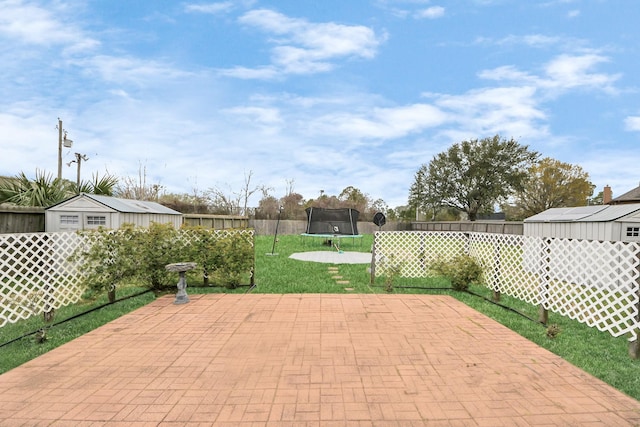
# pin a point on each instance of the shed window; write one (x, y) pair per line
(96, 220)
(68, 219)
(633, 231)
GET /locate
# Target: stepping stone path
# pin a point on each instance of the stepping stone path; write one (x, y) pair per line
(335, 275)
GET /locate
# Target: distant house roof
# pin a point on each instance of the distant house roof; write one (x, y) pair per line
(596, 213)
(632, 196)
(125, 205)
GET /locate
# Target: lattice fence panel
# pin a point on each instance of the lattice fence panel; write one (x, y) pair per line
(503, 258)
(42, 271)
(596, 283)
(414, 251)
(191, 235)
(36, 274)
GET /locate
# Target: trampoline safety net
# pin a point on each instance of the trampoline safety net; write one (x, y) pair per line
(332, 221)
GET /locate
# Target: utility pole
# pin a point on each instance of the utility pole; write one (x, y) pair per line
(59, 149)
(62, 140)
(78, 160)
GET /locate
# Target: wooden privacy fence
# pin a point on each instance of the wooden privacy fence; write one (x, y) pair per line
(596, 283)
(38, 273)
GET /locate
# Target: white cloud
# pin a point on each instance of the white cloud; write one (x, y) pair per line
(632, 123)
(576, 71)
(380, 123)
(260, 73)
(129, 69)
(511, 111)
(267, 119)
(573, 13)
(562, 73)
(34, 25)
(302, 47)
(430, 12)
(508, 73)
(210, 8)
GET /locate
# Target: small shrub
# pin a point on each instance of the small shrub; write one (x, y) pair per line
(553, 331)
(391, 268)
(462, 270)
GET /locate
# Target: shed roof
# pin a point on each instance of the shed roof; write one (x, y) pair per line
(596, 213)
(125, 205)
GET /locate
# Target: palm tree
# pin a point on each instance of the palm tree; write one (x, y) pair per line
(99, 185)
(45, 190)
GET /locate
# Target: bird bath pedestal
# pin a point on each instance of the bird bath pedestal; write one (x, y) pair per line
(181, 268)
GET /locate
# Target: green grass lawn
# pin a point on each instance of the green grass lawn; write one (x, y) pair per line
(596, 352)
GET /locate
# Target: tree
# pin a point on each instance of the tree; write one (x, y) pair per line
(598, 199)
(268, 207)
(185, 203)
(472, 176)
(354, 198)
(293, 206)
(422, 195)
(104, 185)
(234, 203)
(43, 191)
(138, 189)
(553, 184)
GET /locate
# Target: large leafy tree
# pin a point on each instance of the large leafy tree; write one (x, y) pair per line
(472, 176)
(354, 198)
(553, 184)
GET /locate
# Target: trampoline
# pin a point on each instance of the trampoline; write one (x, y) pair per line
(332, 225)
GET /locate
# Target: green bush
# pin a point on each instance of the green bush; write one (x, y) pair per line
(224, 258)
(108, 258)
(156, 247)
(139, 255)
(462, 270)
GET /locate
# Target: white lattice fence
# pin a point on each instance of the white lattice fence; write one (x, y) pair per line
(39, 272)
(414, 251)
(505, 260)
(192, 235)
(596, 283)
(36, 274)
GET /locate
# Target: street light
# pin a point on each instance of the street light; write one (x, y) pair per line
(62, 141)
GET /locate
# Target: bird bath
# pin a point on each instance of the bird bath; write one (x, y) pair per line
(181, 268)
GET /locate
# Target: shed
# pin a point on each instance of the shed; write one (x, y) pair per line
(91, 211)
(599, 222)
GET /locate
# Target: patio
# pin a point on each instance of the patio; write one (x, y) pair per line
(307, 359)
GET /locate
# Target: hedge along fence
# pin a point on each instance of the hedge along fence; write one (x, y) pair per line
(596, 283)
(40, 272)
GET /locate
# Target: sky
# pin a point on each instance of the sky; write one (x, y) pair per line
(314, 96)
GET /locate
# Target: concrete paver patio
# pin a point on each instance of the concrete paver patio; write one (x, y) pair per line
(311, 359)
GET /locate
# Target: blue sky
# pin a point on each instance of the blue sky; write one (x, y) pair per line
(317, 95)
